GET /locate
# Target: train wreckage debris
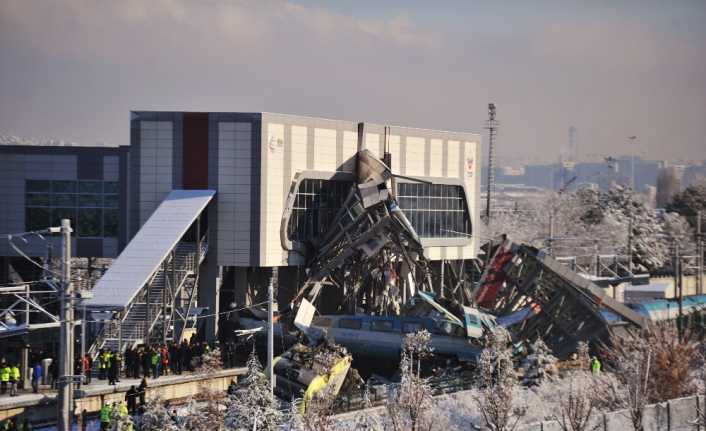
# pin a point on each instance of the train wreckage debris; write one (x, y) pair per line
(372, 263)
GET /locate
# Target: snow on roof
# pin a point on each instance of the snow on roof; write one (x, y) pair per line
(18, 140)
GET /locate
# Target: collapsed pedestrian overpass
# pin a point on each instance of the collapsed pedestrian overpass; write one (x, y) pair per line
(149, 292)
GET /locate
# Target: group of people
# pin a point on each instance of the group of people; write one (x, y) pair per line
(10, 377)
(159, 360)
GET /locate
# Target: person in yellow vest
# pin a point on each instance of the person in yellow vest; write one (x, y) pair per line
(14, 379)
(105, 416)
(595, 366)
(5, 372)
(104, 363)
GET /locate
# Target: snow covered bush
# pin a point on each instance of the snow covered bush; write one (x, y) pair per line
(120, 420)
(253, 407)
(318, 413)
(211, 361)
(156, 416)
(200, 417)
(539, 365)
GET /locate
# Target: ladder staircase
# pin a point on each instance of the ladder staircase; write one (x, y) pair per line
(160, 311)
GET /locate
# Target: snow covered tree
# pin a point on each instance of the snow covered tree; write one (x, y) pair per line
(253, 407)
(625, 207)
(689, 202)
(410, 403)
(498, 382)
(211, 361)
(156, 416)
(677, 230)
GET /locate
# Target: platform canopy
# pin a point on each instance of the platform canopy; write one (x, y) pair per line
(149, 248)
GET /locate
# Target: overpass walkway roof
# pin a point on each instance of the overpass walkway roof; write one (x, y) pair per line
(147, 250)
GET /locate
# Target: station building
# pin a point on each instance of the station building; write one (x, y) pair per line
(276, 180)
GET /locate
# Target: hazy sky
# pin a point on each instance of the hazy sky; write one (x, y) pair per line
(74, 69)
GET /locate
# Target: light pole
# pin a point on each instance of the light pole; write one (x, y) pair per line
(633, 150)
(66, 344)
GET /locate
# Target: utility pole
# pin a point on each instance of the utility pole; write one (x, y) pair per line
(678, 286)
(66, 317)
(630, 243)
(492, 126)
(270, 328)
(700, 254)
(550, 241)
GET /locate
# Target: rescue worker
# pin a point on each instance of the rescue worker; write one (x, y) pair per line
(141, 391)
(114, 369)
(15, 376)
(155, 360)
(105, 416)
(102, 364)
(5, 373)
(120, 410)
(108, 362)
(131, 399)
(595, 366)
(37, 373)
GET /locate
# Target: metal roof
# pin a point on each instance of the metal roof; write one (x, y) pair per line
(150, 246)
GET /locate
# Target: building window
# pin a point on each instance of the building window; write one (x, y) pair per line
(435, 210)
(382, 325)
(350, 324)
(315, 206)
(90, 205)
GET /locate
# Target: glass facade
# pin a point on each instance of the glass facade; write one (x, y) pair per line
(435, 210)
(315, 206)
(92, 206)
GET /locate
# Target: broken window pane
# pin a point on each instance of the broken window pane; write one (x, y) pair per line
(315, 206)
(435, 210)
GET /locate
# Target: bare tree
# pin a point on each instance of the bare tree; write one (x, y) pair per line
(410, 402)
(700, 419)
(632, 360)
(577, 406)
(673, 364)
(498, 382)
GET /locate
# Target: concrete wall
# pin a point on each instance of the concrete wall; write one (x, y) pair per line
(674, 415)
